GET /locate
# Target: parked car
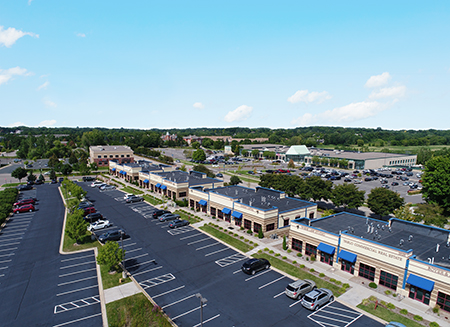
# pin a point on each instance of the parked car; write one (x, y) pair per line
(251, 266)
(88, 179)
(97, 183)
(108, 188)
(126, 196)
(159, 213)
(39, 182)
(25, 208)
(299, 288)
(92, 217)
(25, 187)
(61, 179)
(24, 202)
(99, 224)
(53, 181)
(134, 198)
(169, 217)
(394, 183)
(114, 235)
(347, 180)
(178, 223)
(220, 175)
(357, 181)
(317, 298)
(89, 210)
(368, 179)
(395, 324)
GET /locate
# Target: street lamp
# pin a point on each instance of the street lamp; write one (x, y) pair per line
(202, 301)
(124, 274)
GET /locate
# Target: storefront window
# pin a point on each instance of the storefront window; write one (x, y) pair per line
(388, 280)
(443, 300)
(247, 224)
(419, 294)
(366, 271)
(297, 244)
(310, 249)
(347, 266)
(270, 227)
(326, 258)
(256, 227)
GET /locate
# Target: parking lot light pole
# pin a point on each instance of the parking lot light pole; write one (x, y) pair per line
(202, 301)
(124, 274)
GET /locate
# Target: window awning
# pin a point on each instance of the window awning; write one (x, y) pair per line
(124, 172)
(237, 214)
(326, 248)
(347, 256)
(163, 187)
(146, 181)
(420, 282)
(114, 169)
(202, 202)
(226, 211)
(158, 185)
(121, 172)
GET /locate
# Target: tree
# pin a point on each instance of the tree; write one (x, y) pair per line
(73, 158)
(207, 143)
(431, 214)
(183, 167)
(383, 201)
(404, 213)
(76, 226)
(255, 153)
(66, 169)
(436, 182)
(31, 177)
(347, 195)
(316, 188)
(199, 155)
(53, 161)
(52, 175)
(41, 178)
(195, 145)
(235, 180)
(203, 169)
(284, 243)
(260, 233)
(19, 173)
(110, 255)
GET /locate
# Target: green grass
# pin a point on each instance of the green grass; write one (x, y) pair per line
(152, 200)
(230, 240)
(12, 184)
(299, 273)
(244, 179)
(133, 190)
(387, 314)
(112, 280)
(85, 243)
(186, 216)
(135, 311)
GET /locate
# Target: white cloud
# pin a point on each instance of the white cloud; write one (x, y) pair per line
(17, 124)
(9, 36)
(378, 80)
(238, 114)
(7, 74)
(305, 120)
(389, 92)
(353, 111)
(47, 123)
(198, 105)
(43, 86)
(305, 96)
(49, 103)
(29, 2)
(81, 35)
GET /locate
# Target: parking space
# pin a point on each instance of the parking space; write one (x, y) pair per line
(335, 314)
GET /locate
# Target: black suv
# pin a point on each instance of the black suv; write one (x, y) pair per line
(88, 179)
(159, 213)
(25, 187)
(114, 235)
(92, 217)
(251, 266)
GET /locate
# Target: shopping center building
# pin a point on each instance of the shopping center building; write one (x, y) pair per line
(130, 171)
(103, 154)
(253, 209)
(407, 258)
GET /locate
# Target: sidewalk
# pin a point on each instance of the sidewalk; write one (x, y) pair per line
(119, 292)
(353, 296)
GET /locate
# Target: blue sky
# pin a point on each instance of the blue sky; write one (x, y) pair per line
(163, 64)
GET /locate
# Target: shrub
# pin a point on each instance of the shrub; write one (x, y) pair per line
(289, 251)
(284, 243)
(390, 306)
(242, 228)
(434, 324)
(383, 303)
(404, 311)
(249, 231)
(307, 258)
(220, 228)
(260, 251)
(235, 235)
(345, 285)
(312, 270)
(284, 258)
(271, 251)
(231, 233)
(299, 255)
(302, 266)
(338, 282)
(321, 275)
(418, 318)
(373, 285)
(294, 262)
(277, 254)
(241, 237)
(251, 242)
(245, 240)
(332, 280)
(387, 292)
(373, 298)
(260, 233)
(266, 249)
(436, 309)
(313, 257)
(394, 295)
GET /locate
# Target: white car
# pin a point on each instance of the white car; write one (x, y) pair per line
(107, 187)
(99, 224)
(95, 184)
(47, 173)
(126, 196)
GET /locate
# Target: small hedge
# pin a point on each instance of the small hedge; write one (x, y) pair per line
(373, 285)
(404, 311)
(418, 318)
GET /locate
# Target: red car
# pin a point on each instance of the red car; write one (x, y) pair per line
(24, 202)
(25, 208)
(89, 210)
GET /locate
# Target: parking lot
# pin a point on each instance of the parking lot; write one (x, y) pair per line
(172, 266)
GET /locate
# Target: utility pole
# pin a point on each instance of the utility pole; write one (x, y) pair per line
(202, 301)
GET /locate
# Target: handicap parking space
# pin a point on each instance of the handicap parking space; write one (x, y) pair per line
(77, 299)
(335, 314)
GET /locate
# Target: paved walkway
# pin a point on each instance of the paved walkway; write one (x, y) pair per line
(359, 286)
(119, 292)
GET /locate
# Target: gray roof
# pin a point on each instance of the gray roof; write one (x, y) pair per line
(352, 155)
(110, 148)
(178, 176)
(420, 238)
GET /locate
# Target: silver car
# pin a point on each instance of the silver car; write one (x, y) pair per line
(299, 288)
(168, 217)
(317, 298)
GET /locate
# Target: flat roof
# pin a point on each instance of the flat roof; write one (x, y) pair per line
(178, 176)
(110, 148)
(355, 155)
(403, 235)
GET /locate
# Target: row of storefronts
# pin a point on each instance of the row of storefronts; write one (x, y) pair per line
(410, 259)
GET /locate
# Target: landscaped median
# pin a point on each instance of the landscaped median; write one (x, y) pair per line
(389, 312)
(188, 216)
(232, 239)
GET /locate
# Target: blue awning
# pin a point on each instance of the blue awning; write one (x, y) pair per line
(114, 169)
(121, 172)
(158, 185)
(163, 187)
(326, 248)
(202, 202)
(237, 215)
(420, 282)
(347, 256)
(146, 181)
(124, 173)
(226, 211)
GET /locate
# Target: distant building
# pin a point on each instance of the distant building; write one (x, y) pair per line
(169, 137)
(192, 138)
(297, 153)
(279, 150)
(102, 154)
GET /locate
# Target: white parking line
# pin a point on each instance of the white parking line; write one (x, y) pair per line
(188, 312)
(275, 296)
(274, 281)
(237, 271)
(224, 249)
(77, 272)
(9, 244)
(76, 281)
(2, 275)
(134, 250)
(8, 249)
(86, 256)
(260, 274)
(13, 234)
(77, 290)
(5, 261)
(142, 255)
(326, 317)
(77, 320)
(4, 268)
(203, 239)
(140, 264)
(161, 294)
(143, 272)
(351, 311)
(84, 263)
(335, 314)
(295, 303)
(6, 255)
(184, 238)
(76, 304)
(181, 300)
(16, 228)
(10, 239)
(129, 245)
(208, 320)
(207, 246)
